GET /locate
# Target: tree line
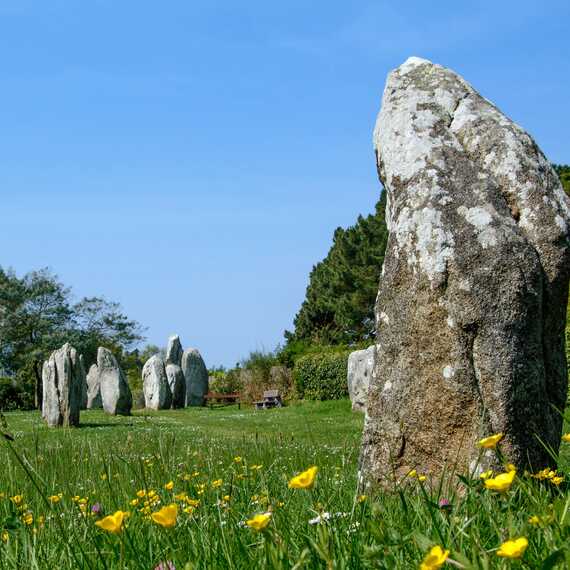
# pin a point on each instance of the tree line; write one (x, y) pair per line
(38, 315)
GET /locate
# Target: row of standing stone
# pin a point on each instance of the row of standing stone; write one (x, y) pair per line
(179, 380)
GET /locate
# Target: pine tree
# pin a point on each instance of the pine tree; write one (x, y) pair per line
(339, 303)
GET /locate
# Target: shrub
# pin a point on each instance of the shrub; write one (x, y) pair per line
(13, 396)
(294, 350)
(322, 376)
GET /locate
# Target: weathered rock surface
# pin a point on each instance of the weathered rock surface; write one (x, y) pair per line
(63, 376)
(472, 300)
(196, 375)
(177, 385)
(115, 392)
(360, 366)
(83, 384)
(174, 350)
(94, 400)
(157, 394)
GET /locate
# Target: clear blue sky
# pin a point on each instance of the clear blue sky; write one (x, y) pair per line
(192, 159)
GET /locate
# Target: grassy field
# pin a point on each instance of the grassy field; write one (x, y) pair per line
(221, 467)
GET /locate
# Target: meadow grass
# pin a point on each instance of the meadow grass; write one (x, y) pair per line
(222, 467)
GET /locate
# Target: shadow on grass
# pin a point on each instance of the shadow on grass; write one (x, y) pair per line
(84, 425)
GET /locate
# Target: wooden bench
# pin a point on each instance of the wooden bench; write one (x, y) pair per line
(271, 399)
(212, 399)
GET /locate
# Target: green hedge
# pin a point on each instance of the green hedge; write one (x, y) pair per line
(322, 376)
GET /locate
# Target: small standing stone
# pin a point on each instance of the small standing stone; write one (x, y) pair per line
(177, 385)
(360, 367)
(115, 392)
(196, 375)
(94, 400)
(83, 384)
(174, 350)
(157, 394)
(62, 378)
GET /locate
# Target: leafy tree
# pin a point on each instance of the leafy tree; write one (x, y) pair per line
(34, 312)
(97, 322)
(37, 316)
(339, 303)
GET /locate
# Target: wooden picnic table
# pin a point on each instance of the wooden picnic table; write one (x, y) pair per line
(212, 399)
(271, 399)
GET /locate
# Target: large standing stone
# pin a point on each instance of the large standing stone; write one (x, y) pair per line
(94, 400)
(174, 350)
(115, 392)
(196, 375)
(63, 376)
(157, 394)
(360, 366)
(472, 299)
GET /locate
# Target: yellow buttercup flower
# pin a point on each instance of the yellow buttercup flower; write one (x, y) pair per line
(513, 548)
(361, 498)
(413, 473)
(550, 475)
(217, 483)
(534, 519)
(501, 482)
(422, 477)
(491, 441)
(141, 493)
(237, 459)
(17, 499)
(166, 517)
(566, 437)
(135, 502)
(5, 536)
(434, 559)
(112, 523)
(192, 502)
(28, 519)
(486, 474)
(259, 522)
(55, 498)
(304, 480)
(169, 486)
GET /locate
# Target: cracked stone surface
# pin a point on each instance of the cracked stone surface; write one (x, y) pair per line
(157, 394)
(63, 377)
(196, 375)
(472, 300)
